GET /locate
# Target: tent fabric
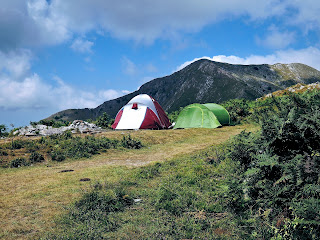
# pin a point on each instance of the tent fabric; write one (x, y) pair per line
(220, 112)
(141, 112)
(196, 116)
(209, 115)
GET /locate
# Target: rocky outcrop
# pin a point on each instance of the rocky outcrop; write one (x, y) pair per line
(298, 88)
(77, 126)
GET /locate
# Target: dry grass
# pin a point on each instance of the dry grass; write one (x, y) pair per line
(31, 197)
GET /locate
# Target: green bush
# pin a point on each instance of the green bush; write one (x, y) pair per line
(3, 153)
(3, 130)
(67, 146)
(57, 155)
(36, 157)
(128, 142)
(238, 109)
(56, 123)
(104, 121)
(174, 115)
(19, 162)
(280, 168)
(17, 144)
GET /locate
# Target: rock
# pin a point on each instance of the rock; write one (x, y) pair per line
(77, 126)
(67, 170)
(85, 179)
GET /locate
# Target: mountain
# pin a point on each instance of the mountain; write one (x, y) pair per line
(207, 81)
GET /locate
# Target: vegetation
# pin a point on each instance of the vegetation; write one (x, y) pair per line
(56, 123)
(104, 121)
(19, 162)
(239, 109)
(279, 169)
(3, 130)
(174, 115)
(60, 147)
(262, 185)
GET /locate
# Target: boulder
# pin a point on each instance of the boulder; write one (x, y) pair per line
(77, 126)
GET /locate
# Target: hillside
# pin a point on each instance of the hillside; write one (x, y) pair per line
(207, 81)
(35, 195)
(232, 182)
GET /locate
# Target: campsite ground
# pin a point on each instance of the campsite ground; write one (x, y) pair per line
(31, 197)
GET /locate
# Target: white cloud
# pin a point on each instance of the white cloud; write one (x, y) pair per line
(33, 93)
(151, 68)
(30, 23)
(82, 46)
(31, 99)
(40, 22)
(124, 92)
(306, 14)
(145, 21)
(129, 67)
(21, 89)
(309, 56)
(109, 94)
(276, 39)
(15, 64)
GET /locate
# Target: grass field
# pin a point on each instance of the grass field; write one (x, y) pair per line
(32, 197)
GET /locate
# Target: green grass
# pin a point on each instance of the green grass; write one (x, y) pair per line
(184, 198)
(35, 195)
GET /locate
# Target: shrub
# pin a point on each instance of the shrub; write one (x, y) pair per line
(128, 142)
(280, 168)
(104, 121)
(32, 146)
(36, 157)
(18, 162)
(17, 144)
(56, 123)
(3, 153)
(238, 109)
(174, 115)
(3, 130)
(57, 155)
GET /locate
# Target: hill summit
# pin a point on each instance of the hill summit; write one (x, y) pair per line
(206, 81)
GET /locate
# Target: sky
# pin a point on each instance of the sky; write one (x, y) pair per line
(61, 54)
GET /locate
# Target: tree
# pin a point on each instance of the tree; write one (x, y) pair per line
(104, 121)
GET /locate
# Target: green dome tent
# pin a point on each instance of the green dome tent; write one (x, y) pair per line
(201, 116)
(220, 112)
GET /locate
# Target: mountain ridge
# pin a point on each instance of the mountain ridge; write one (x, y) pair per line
(206, 81)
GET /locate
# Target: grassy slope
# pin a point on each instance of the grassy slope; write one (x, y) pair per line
(31, 197)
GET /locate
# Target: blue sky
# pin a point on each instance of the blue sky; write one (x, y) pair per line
(60, 54)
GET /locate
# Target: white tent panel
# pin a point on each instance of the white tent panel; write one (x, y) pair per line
(144, 99)
(133, 117)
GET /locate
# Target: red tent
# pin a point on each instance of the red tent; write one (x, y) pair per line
(141, 112)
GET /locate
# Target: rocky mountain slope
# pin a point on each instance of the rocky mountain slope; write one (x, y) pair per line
(207, 81)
